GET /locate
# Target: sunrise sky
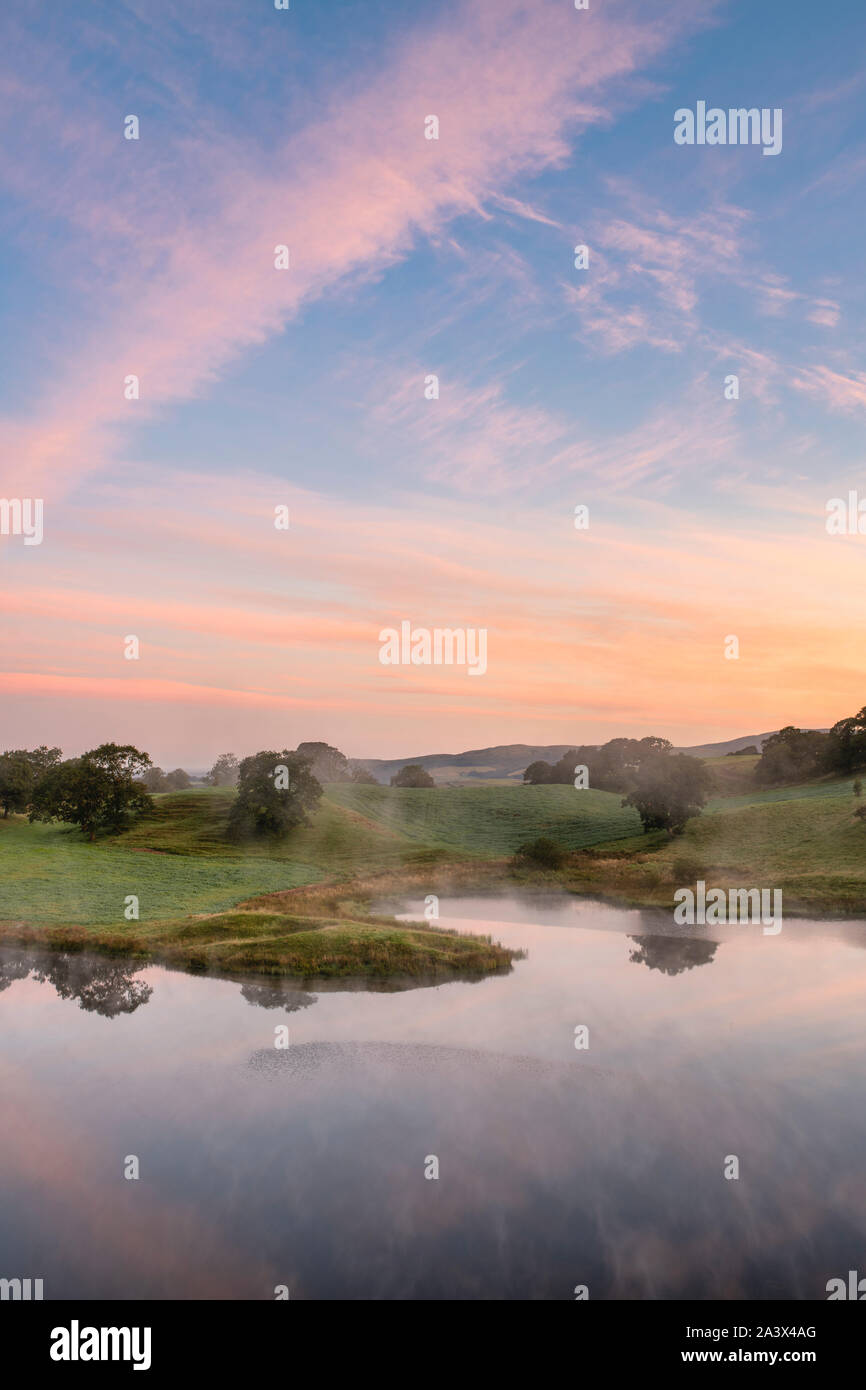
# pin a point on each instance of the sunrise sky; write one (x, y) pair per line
(305, 387)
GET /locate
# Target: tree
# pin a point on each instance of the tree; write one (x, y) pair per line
(16, 781)
(543, 853)
(845, 744)
(154, 779)
(363, 776)
(276, 793)
(413, 775)
(538, 773)
(327, 764)
(791, 755)
(100, 790)
(611, 767)
(224, 772)
(668, 789)
(177, 781)
(20, 770)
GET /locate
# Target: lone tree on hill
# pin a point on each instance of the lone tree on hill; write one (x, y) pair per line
(668, 789)
(276, 792)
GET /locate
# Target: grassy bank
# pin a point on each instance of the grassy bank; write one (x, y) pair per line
(277, 944)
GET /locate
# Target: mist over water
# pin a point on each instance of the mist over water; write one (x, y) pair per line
(557, 1166)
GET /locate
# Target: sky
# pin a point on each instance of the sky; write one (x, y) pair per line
(605, 386)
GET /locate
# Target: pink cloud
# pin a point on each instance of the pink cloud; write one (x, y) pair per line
(349, 195)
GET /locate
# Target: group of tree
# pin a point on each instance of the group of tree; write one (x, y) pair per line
(20, 771)
(665, 788)
(155, 780)
(611, 767)
(796, 755)
(327, 764)
(100, 791)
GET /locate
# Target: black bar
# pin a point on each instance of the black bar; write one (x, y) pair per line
(618, 1336)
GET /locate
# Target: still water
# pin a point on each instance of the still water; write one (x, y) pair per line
(601, 1166)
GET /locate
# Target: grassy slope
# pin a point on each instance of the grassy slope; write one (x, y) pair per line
(177, 860)
(50, 874)
(70, 894)
(804, 840)
(490, 821)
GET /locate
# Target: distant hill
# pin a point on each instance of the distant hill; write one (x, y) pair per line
(506, 762)
(733, 745)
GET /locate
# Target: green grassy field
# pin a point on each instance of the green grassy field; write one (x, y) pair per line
(177, 860)
(50, 874)
(490, 821)
(187, 877)
(804, 840)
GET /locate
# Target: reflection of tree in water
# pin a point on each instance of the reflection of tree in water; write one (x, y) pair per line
(274, 996)
(672, 954)
(14, 965)
(101, 986)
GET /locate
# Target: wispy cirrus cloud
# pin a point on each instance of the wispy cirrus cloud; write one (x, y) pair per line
(181, 238)
(651, 267)
(844, 391)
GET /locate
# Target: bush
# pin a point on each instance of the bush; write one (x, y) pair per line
(542, 853)
(414, 775)
(687, 869)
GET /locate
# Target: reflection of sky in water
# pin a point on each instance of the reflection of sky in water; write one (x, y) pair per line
(558, 1167)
